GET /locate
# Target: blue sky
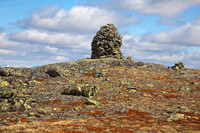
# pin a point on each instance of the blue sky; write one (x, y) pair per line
(35, 32)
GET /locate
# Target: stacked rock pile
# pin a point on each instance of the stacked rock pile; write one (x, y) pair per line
(179, 65)
(107, 43)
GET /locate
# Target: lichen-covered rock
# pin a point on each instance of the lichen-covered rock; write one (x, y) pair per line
(93, 102)
(13, 100)
(184, 88)
(44, 110)
(74, 89)
(53, 73)
(177, 117)
(107, 43)
(100, 75)
(3, 83)
(89, 90)
(3, 73)
(183, 109)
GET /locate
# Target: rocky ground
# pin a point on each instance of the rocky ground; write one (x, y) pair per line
(100, 95)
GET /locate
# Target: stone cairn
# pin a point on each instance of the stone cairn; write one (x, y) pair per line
(178, 66)
(107, 43)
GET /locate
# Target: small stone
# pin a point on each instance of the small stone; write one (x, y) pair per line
(100, 75)
(177, 117)
(93, 102)
(31, 114)
(133, 90)
(74, 89)
(56, 109)
(184, 88)
(183, 109)
(77, 108)
(149, 85)
(169, 111)
(44, 110)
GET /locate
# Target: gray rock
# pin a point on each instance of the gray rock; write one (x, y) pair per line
(107, 43)
(177, 117)
(90, 90)
(74, 89)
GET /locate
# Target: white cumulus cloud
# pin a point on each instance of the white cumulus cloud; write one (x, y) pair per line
(185, 35)
(166, 8)
(54, 39)
(77, 19)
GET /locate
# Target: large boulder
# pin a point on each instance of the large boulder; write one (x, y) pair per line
(107, 43)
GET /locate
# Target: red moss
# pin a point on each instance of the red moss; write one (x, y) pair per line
(124, 85)
(52, 102)
(79, 103)
(49, 120)
(147, 90)
(159, 78)
(43, 79)
(95, 113)
(16, 83)
(65, 131)
(121, 130)
(95, 129)
(171, 91)
(64, 107)
(167, 95)
(136, 115)
(90, 74)
(24, 120)
(197, 89)
(66, 81)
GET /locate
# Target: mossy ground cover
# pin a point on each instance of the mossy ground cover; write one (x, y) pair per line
(130, 98)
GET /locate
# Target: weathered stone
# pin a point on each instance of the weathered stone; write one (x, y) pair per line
(45, 110)
(177, 117)
(183, 109)
(107, 43)
(140, 63)
(90, 90)
(93, 102)
(100, 75)
(3, 73)
(74, 89)
(53, 73)
(184, 88)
